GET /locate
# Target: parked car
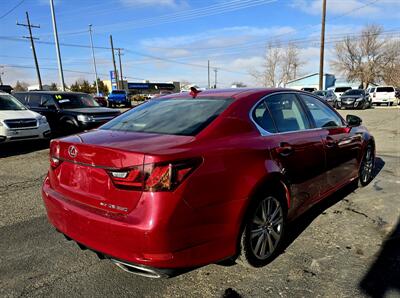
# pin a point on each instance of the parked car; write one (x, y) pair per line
(118, 97)
(384, 95)
(17, 123)
(355, 99)
(371, 90)
(309, 89)
(340, 90)
(328, 95)
(6, 88)
(101, 100)
(67, 112)
(187, 180)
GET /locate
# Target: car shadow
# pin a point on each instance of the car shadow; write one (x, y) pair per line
(18, 148)
(298, 225)
(384, 274)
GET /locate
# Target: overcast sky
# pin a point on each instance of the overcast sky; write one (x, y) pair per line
(165, 40)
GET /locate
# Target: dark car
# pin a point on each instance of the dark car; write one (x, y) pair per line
(355, 99)
(190, 179)
(67, 112)
(328, 95)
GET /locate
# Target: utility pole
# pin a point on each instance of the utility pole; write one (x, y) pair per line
(60, 68)
(30, 26)
(215, 79)
(120, 68)
(1, 73)
(115, 66)
(209, 74)
(94, 60)
(321, 55)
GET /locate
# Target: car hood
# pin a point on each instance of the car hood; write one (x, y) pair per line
(20, 114)
(93, 111)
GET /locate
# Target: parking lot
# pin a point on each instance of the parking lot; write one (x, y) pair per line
(346, 246)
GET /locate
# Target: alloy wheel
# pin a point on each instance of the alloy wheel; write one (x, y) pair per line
(367, 166)
(266, 228)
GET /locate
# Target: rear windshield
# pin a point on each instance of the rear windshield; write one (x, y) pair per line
(354, 92)
(172, 116)
(118, 92)
(342, 89)
(385, 89)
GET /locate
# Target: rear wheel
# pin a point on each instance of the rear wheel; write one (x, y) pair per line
(367, 166)
(263, 232)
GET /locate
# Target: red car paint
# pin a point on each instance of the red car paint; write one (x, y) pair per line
(199, 222)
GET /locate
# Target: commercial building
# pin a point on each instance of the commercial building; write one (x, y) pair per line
(312, 81)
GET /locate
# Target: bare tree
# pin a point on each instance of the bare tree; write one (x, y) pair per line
(366, 58)
(21, 86)
(391, 74)
(280, 66)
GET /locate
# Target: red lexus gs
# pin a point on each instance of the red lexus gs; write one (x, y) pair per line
(192, 179)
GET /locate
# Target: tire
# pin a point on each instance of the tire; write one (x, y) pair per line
(391, 104)
(70, 127)
(367, 166)
(263, 232)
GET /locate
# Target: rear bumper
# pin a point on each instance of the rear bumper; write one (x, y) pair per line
(169, 239)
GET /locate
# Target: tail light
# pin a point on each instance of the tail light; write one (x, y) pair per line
(54, 155)
(154, 177)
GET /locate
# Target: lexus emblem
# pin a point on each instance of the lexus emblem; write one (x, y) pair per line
(72, 151)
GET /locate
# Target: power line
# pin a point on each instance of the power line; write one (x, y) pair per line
(12, 9)
(210, 10)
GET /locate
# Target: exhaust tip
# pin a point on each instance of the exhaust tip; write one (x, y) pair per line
(138, 270)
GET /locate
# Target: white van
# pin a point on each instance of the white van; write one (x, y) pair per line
(17, 123)
(384, 95)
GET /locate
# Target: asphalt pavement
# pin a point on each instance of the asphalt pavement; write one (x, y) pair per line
(347, 246)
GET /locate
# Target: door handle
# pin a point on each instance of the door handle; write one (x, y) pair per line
(284, 149)
(330, 142)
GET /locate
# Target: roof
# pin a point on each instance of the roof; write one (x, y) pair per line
(307, 76)
(49, 92)
(225, 93)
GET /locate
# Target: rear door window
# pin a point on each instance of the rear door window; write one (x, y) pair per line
(287, 113)
(34, 100)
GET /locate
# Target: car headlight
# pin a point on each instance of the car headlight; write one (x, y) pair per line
(42, 120)
(85, 118)
(359, 99)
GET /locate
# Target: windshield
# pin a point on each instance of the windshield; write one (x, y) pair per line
(354, 92)
(10, 103)
(172, 116)
(342, 89)
(75, 101)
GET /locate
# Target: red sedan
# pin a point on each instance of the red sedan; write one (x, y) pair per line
(192, 179)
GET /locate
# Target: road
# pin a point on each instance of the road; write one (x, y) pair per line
(347, 246)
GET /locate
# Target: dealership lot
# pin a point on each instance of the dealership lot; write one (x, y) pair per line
(347, 246)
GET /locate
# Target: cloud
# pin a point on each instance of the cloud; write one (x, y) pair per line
(350, 8)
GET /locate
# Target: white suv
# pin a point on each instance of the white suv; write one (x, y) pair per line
(17, 123)
(384, 95)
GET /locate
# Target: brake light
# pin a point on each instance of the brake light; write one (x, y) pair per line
(154, 177)
(54, 155)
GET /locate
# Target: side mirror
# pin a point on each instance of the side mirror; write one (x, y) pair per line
(353, 120)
